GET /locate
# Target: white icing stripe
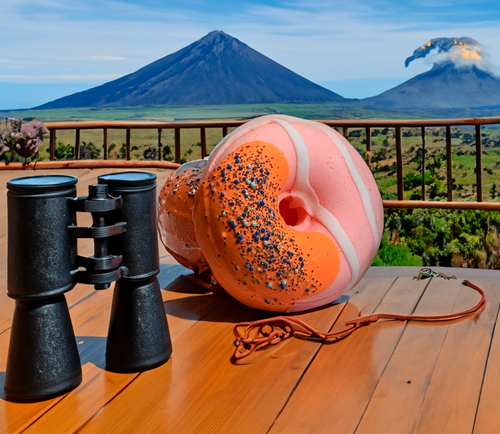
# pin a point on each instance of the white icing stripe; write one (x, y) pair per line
(358, 180)
(236, 134)
(302, 190)
(353, 170)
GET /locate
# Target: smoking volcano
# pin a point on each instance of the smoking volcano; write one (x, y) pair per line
(461, 77)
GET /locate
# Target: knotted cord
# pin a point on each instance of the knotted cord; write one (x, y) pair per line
(272, 331)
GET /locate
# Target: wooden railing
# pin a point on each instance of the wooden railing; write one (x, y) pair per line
(343, 125)
(129, 125)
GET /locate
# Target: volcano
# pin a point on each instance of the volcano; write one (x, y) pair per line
(461, 78)
(217, 69)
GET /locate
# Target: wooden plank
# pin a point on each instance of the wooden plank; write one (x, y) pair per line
(105, 143)
(77, 144)
(16, 417)
(203, 141)
(479, 165)
(99, 388)
(452, 396)
(159, 145)
(422, 171)
(368, 137)
(127, 144)
(351, 123)
(52, 145)
(399, 164)
(177, 144)
(449, 166)
(488, 417)
(339, 383)
(200, 380)
(397, 400)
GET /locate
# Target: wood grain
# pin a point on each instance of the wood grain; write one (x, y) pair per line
(339, 383)
(201, 391)
(398, 398)
(72, 411)
(451, 399)
(488, 416)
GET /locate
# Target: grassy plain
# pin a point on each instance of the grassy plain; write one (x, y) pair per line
(238, 111)
(383, 142)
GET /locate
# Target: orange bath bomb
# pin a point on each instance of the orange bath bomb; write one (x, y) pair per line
(175, 221)
(253, 251)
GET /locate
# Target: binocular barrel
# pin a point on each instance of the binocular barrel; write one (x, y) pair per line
(43, 359)
(41, 251)
(43, 264)
(136, 337)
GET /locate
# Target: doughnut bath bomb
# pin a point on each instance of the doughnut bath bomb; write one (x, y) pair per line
(175, 221)
(287, 214)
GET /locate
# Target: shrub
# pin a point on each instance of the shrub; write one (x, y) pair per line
(395, 255)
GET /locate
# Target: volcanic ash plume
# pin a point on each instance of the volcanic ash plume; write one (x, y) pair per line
(461, 52)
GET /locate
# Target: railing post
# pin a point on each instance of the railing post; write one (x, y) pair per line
(77, 144)
(159, 145)
(449, 173)
(224, 131)
(105, 142)
(423, 163)
(127, 145)
(203, 136)
(52, 144)
(177, 145)
(344, 132)
(368, 134)
(399, 164)
(479, 165)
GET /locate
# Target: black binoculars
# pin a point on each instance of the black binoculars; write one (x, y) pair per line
(43, 263)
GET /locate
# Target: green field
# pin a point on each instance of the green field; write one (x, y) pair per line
(144, 143)
(237, 111)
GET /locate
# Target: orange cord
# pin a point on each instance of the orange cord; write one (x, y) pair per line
(272, 331)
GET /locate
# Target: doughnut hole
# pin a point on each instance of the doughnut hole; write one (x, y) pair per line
(292, 216)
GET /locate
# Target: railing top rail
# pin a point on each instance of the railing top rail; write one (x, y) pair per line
(411, 122)
(71, 125)
(349, 123)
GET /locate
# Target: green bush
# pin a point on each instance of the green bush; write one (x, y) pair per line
(395, 255)
(444, 237)
(63, 152)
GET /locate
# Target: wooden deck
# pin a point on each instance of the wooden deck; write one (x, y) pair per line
(391, 377)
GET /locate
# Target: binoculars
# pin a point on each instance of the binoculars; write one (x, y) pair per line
(43, 263)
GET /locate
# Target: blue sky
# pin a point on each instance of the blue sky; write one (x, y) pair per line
(357, 48)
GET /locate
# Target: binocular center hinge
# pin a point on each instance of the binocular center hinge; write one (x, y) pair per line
(103, 267)
(98, 200)
(97, 232)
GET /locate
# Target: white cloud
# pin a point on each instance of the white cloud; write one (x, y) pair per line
(85, 78)
(106, 58)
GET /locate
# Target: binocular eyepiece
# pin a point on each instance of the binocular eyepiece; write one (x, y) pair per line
(43, 264)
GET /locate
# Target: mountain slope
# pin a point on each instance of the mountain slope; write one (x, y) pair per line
(217, 69)
(443, 87)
